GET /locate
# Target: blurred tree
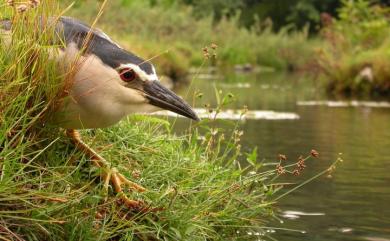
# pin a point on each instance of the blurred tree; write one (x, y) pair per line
(217, 8)
(385, 2)
(296, 13)
(293, 13)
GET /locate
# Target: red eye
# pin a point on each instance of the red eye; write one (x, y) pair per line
(127, 75)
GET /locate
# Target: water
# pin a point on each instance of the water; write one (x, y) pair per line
(354, 204)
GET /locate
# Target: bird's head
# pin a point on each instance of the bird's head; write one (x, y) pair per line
(118, 81)
(141, 85)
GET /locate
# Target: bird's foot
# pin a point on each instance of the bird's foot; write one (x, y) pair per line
(118, 180)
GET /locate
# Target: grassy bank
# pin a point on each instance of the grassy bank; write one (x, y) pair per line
(50, 191)
(152, 30)
(355, 55)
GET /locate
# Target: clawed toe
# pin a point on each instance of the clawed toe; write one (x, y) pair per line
(118, 180)
(112, 175)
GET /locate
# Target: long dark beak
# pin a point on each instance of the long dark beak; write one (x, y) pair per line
(164, 98)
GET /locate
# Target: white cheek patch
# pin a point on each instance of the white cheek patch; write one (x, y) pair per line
(141, 74)
(154, 72)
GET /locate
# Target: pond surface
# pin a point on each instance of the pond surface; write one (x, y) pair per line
(353, 204)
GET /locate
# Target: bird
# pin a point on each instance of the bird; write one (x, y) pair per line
(106, 84)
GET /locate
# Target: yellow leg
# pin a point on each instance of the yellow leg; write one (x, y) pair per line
(109, 174)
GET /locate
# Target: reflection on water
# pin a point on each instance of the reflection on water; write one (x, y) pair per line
(355, 201)
(229, 114)
(297, 214)
(354, 103)
(376, 239)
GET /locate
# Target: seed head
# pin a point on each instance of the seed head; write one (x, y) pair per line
(22, 8)
(296, 172)
(206, 53)
(282, 157)
(10, 3)
(314, 153)
(280, 170)
(301, 164)
(238, 148)
(238, 133)
(34, 3)
(136, 174)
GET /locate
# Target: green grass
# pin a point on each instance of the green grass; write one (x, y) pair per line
(357, 40)
(50, 191)
(59, 192)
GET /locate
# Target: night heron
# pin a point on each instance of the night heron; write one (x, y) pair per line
(108, 83)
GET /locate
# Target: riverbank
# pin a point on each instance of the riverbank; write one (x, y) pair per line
(349, 52)
(355, 55)
(175, 38)
(196, 187)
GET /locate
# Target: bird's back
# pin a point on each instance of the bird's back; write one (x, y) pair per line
(92, 40)
(99, 44)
